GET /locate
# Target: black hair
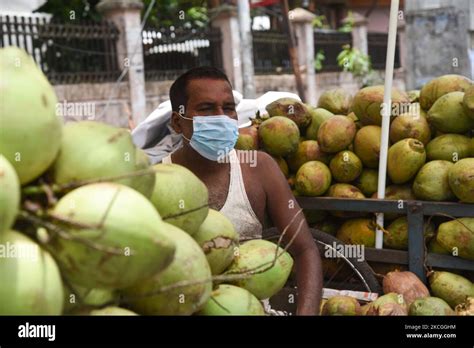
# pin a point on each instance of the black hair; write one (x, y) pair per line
(178, 90)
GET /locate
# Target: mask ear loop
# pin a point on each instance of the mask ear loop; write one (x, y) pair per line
(186, 118)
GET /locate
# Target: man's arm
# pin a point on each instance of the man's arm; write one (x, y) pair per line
(282, 207)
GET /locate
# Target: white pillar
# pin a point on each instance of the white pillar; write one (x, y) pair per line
(226, 20)
(359, 32)
(125, 14)
(303, 24)
(247, 49)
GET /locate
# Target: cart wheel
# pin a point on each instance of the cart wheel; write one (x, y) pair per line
(339, 272)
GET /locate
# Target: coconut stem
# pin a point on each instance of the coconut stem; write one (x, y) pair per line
(57, 188)
(237, 275)
(67, 235)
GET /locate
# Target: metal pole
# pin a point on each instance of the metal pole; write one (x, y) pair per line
(292, 50)
(246, 48)
(386, 112)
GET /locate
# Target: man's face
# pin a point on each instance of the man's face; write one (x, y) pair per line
(206, 97)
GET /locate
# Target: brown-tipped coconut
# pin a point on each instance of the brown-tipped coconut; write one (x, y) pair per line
(345, 166)
(367, 104)
(406, 284)
(313, 179)
(279, 136)
(308, 150)
(291, 108)
(412, 124)
(357, 231)
(336, 134)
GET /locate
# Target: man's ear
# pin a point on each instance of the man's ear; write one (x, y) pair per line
(175, 122)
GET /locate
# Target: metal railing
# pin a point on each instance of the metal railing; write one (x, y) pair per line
(270, 52)
(330, 44)
(377, 43)
(168, 52)
(67, 53)
(417, 256)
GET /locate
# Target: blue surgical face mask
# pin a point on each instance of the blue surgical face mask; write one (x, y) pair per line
(213, 136)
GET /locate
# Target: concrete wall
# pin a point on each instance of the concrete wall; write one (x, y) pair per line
(87, 101)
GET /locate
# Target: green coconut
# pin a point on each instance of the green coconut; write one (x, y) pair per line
(448, 114)
(30, 279)
(189, 265)
(131, 236)
(313, 179)
(404, 160)
(217, 238)
(76, 297)
(432, 184)
(345, 166)
(341, 305)
(402, 192)
(429, 306)
(396, 236)
(308, 150)
(30, 135)
(414, 96)
(440, 86)
(412, 124)
(329, 226)
(291, 108)
(435, 247)
(452, 288)
(258, 256)
(336, 100)
(367, 182)
(318, 116)
(232, 300)
(461, 179)
(367, 145)
(458, 237)
(143, 183)
(180, 197)
(357, 231)
(248, 138)
(449, 147)
(9, 194)
(340, 190)
(367, 104)
(279, 136)
(336, 134)
(468, 101)
(93, 150)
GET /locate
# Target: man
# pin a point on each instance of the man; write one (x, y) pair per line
(204, 114)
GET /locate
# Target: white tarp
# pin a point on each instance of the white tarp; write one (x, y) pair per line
(158, 139)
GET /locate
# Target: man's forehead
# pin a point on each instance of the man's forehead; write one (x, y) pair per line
(211, 89)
